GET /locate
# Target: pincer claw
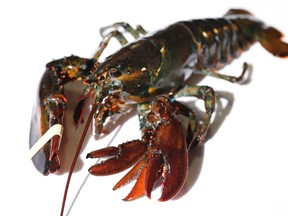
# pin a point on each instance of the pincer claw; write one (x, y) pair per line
(44, 147)
(43, 154)
(46, 133)
(170, 140)
(154, 167)
(162, 151)
(121, 157)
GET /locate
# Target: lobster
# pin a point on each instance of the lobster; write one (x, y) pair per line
(150, 73)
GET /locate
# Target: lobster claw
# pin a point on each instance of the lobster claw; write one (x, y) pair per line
(48, 113)
(171, 143)
(169, 158)
(121, 157)
(46, 132)
(162, 151)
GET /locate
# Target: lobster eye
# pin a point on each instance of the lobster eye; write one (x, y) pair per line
(113, 72)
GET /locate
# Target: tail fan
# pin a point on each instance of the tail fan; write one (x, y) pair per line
(271, 41)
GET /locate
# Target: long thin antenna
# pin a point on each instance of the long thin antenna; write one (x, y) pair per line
(88, 175)
(94, 107)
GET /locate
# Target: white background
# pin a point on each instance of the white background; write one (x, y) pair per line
(243, 170)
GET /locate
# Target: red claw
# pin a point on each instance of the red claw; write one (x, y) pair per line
(131, 175)
(154, 167)
(138, 190)
(162, 151)
(171, 142)
(122, 157)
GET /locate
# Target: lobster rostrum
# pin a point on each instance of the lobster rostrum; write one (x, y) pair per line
(151, 73)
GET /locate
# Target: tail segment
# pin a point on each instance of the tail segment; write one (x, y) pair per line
(237, 11)
(269, 38)
(271, 41)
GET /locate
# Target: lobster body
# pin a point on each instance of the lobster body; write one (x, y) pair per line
(171, 55)
(150, 72)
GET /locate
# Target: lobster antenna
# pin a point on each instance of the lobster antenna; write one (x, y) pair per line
(93, 110)
(84, 107)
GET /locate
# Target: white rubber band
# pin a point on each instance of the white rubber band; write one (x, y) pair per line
(56, 129)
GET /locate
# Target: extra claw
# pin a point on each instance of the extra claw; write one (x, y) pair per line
(138, 190)
(121, 157)
(131, 175)
(161, 152)
(154, 167)
(169, 158)
(109, 151)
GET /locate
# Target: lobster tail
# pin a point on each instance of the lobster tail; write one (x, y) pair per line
(269, 37)
(238, 11)
(271, 41)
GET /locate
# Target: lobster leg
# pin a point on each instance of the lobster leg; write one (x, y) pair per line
(207, 94)
(113, 104)
(127, 27)
(232, 79)
(106, 39)
(192, 129)
(118, 35)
